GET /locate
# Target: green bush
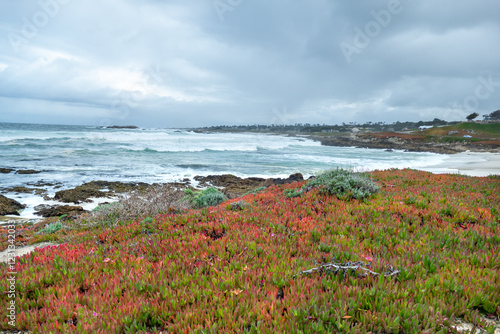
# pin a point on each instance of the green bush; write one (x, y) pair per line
(342, 183)
(255, 191)
(291, 193)
(204, 198)
(52, 228)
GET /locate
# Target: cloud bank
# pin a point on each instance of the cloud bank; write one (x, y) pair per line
(205, 62)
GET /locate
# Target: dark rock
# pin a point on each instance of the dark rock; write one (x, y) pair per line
(43, 184)
(9, 206)
(25, 190)
(28, 171)
(389, 150)
(78, 195)
(47, 211)
(6, 170)
(235, 186)
(20, 190)
(122, 127)
(95, 189)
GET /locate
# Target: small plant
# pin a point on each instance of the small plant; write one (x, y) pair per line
(325, 248)
(344, 184)
(204, 198)
(255, 191)
(291, 193)
(52, 228)
(410, 200)
(237, 206)
(136, 205)
(315, 236)
(147, 220)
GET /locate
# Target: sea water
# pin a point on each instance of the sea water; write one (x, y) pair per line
(68, 156)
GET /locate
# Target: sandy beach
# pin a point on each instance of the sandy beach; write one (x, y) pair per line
(469, 163)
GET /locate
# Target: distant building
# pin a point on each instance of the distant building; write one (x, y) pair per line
(424, 127)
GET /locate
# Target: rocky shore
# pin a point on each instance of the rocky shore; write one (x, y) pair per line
(232, 186)
(402, 141)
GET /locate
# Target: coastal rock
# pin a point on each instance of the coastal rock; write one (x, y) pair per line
(47, 211)
(42, 183)
(234, 186)
(9, 206)
(100, 189)
(6, 170)
(122, 127)
(25, 190)
(116, 187)
(78, 195)
(28, 171)
(394, 141)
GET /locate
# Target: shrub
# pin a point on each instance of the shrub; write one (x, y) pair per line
(255, 191)
(342, 183)
(291, 193)
(154, 201)
(52, 228)
(204, 198)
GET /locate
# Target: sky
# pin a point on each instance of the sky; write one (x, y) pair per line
(178, 63)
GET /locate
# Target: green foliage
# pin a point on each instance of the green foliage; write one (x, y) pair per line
(325, 248)
(339, 182)
(255, 191)
(52, 228)
(105, 207)
(472, 116)
(290, 193)
(344, 184)
(493, 128)
(204, 198)
(315, 236)
(147, 220)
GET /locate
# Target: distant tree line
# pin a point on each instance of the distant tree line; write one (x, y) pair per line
(344, 127)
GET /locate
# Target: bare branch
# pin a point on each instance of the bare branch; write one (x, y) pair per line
(345, 267)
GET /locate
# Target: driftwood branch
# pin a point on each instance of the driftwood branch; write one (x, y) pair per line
(335, 268)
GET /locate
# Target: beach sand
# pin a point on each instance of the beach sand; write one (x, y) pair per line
(469, 163)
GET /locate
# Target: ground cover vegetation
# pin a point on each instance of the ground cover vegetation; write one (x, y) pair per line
(411, 258)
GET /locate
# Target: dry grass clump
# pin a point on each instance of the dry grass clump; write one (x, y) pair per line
(155, 201)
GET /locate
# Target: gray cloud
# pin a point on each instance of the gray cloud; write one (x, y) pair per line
(181, 63)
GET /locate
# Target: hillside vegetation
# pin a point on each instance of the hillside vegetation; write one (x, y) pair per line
(413, 257)
(477, 129)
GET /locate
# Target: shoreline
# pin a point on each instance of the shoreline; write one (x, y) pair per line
(476, 164)
(402, 141)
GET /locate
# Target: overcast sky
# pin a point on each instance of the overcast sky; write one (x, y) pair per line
(178, 63)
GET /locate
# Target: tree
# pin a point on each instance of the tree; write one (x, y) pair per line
(472, 116)
(495, 116)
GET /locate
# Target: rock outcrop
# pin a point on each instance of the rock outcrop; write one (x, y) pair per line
(234, 186)
(28, 171)
(9, 206)
(47, 211)
(394, 142)
(98, 189)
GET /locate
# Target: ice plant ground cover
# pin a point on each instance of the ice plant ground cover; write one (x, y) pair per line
(244, 268)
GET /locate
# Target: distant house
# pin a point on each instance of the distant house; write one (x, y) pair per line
(424, 127)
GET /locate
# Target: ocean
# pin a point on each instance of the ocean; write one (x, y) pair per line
(68, 156)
